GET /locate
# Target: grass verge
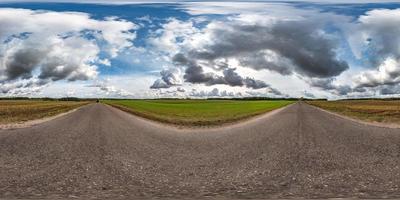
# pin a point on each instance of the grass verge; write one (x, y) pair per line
(13, 111)
(384, 111)
(196, 112)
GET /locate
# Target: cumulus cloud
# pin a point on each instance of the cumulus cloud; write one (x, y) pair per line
(254, 46)
(269, 92)
(180, 89)
(169, 78)
(327, 84)
(387, 73)
(291, 46)
(213, 93)
(22, 88)
(376, 31)
(44, 45)
(158, 84)
(169, 38)
(374, 39)
(194, 73)
(309, 95)
(110, 90)
(389, 89)
(298, 46)
(301, 44)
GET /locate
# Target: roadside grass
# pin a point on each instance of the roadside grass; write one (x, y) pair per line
(385, 111)
(196, 112)
(12, 111)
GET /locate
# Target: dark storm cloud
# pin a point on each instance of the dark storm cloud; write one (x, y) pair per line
(180, 59)
(301, 44)
(57, 69)
(266, 93)
(158, 84)
(255, 84)
(22, 63)
(286, 47)
(326, 84)
(260, 61)
(168, 79)
(232, 78)
(194, 73)
(389, 89)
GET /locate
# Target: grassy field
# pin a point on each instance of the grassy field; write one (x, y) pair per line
(386, 111)
(12, 111)
(196, 112)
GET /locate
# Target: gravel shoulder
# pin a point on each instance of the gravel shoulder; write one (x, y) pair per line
(30, 123)
(378, 124)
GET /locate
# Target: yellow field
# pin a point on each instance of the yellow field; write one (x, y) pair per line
(386, 111)
(12, 111)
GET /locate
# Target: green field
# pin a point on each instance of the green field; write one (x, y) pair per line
(386, 111)
(12, 111)
(196, 112)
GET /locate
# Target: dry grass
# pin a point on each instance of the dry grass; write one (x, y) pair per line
(12, 111)
(386, 111)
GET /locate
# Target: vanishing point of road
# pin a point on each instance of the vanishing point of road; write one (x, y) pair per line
(101, 152)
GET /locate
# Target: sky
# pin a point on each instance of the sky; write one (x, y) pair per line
(200, 49)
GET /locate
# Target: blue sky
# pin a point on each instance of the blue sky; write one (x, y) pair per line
(321, 49)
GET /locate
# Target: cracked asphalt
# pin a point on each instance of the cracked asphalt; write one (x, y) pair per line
(104, 153)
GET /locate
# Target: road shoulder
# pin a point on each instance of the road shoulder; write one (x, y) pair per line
(376, 124)
(30, 123)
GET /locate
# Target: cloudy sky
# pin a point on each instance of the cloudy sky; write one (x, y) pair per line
(138, 49)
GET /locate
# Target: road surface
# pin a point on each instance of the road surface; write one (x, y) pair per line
(99, 151)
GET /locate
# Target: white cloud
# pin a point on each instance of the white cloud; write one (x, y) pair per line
(54, 46)
(172, 36)
(219, 52)
(377, 30)
(108, 90)
(388, 73)
(227, 8)
(316, 56)
(375, 38)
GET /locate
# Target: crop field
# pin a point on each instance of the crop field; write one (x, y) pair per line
(386, 111)
(196, 112)
(12, 111)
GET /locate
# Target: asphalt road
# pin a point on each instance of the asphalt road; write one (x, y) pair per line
(99, 151)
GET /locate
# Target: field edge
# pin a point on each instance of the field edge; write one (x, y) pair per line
(17, 120)
(33, 122)
(356, 119)
(196, 124)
